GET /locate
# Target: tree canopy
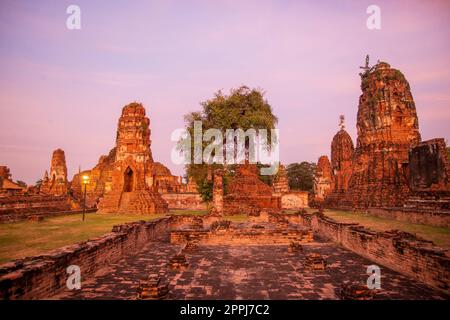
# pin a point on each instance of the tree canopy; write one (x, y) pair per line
(243, 108)
(301, 175)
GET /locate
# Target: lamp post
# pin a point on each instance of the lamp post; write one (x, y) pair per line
(85, 182)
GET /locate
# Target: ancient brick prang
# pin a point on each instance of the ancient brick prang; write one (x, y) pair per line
(342, 152)
(177, 194)
(341, 160)
(323, 179)
(387, 127)
(56, 182)
(132, 190)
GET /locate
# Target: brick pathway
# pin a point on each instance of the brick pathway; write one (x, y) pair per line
(246, 272)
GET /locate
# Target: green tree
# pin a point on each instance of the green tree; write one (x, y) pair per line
(301, 175)
(243, 108)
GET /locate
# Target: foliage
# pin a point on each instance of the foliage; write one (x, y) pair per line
(301, 175)
(242, 108)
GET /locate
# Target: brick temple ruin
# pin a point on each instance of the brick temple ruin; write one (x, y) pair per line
(126, 180)
(323, 179)
(109, 180)
(247, 193)
(50, 198)
(132, 189)
(274, 253)
(56, 183)
(390, 171)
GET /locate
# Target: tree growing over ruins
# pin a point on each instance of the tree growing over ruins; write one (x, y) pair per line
(243, 108)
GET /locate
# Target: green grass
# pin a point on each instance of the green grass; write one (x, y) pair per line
(26, 238)
(191, 212)
(440, 236)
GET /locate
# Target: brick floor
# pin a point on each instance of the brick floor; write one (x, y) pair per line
(245, 272)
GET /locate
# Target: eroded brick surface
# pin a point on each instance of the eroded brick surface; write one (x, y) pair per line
(246, 272)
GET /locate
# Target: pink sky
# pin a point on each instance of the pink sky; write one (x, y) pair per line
(63, 88)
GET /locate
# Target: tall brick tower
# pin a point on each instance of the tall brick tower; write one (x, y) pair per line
(56, 183)
(132, 189)
(341, 158)
(323, 179)
(387, 127)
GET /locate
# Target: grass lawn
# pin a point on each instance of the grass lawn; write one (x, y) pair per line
(440, 236)
(191, 212)
(26, 238)
(237, 218)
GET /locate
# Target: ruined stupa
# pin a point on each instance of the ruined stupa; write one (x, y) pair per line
(248, 194)
(342, 150)
(56, 182)
(323, 179)
(131, 189)
(387, 128)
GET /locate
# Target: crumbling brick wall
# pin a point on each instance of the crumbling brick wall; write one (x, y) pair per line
(428, 167)
(399, 251)
(19, 207)
(45, 276)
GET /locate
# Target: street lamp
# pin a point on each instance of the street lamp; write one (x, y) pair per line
(85, 182)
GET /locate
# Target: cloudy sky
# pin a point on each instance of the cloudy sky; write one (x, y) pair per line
(65, 88)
